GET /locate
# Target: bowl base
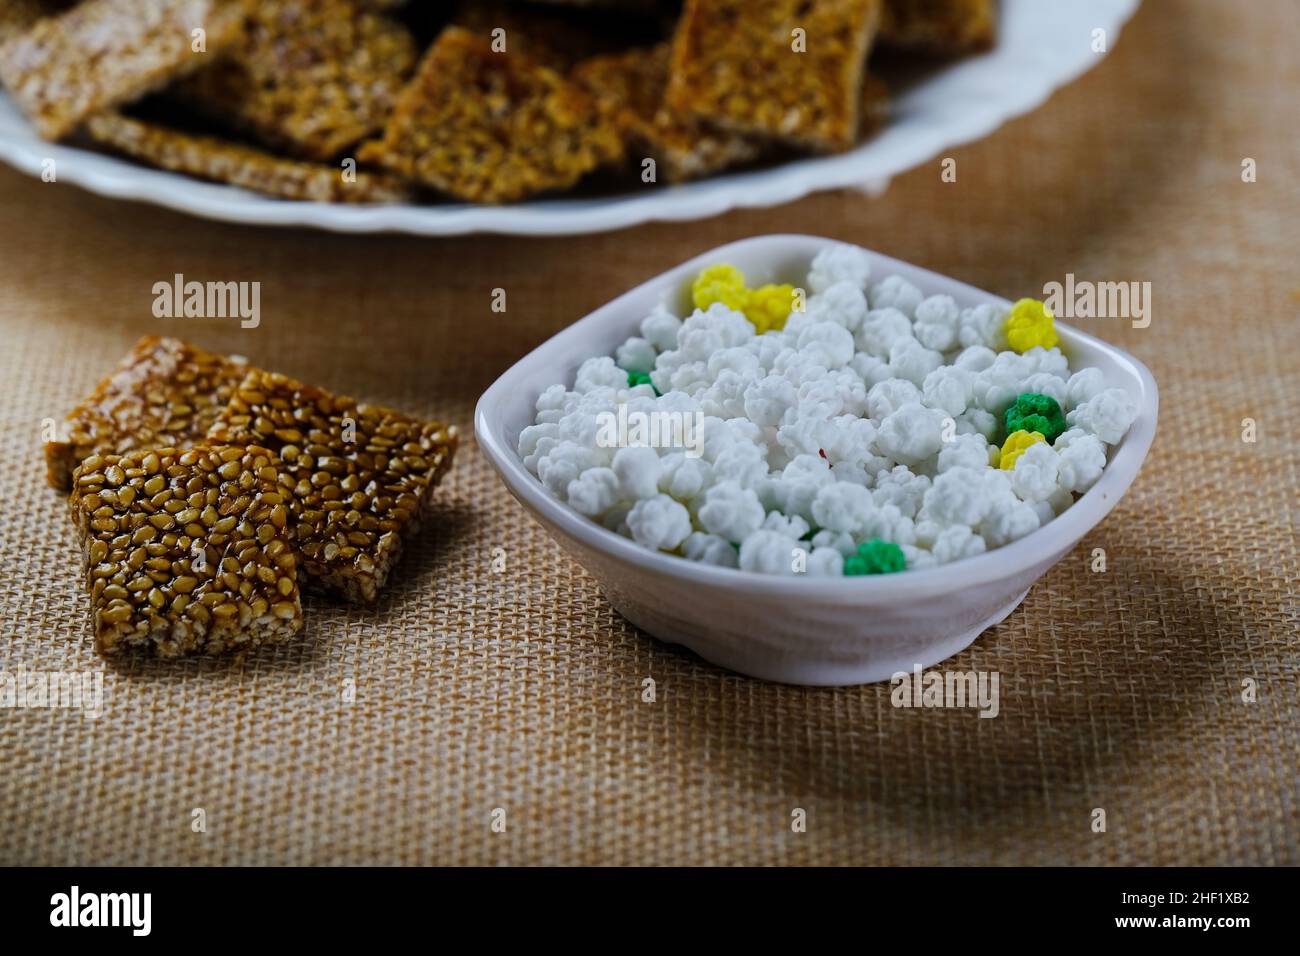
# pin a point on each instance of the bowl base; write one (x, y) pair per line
(756, 660)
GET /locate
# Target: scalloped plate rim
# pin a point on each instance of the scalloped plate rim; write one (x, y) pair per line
(1041, 50)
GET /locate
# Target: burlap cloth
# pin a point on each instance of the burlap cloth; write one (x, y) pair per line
(522, 690)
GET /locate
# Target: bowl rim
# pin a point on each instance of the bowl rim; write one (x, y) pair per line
(999, 563)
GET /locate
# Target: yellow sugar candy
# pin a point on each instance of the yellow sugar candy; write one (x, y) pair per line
(1015, 446)
(1030, 324)
(767, 307)
(720, 283)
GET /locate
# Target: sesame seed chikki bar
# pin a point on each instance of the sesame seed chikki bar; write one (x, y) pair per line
(362, 476)
(105, 52)
(553, 38)
(939, 27)
(735, 64)
(17, 16)
(164, 393)
(873, 107)
(187, 551)
(310, 78)
(630, 87)
(222, 161)
(629, 6)
(491, 127)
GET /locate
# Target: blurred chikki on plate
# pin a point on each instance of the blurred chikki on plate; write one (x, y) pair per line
(873, 107)
(549, 36)
(362, 477)
(630, 86)
(491, 127)
(310, 78)
(939, 27)
(105, 52)
(165, 393)
(787, 69)
(223, 161)
(17, 16)
(623, 6)
(187, 551)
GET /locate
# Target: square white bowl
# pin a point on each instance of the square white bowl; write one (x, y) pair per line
(819, 631)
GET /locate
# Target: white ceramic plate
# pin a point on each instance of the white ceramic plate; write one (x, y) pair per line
(798, 630)
(1043, 45)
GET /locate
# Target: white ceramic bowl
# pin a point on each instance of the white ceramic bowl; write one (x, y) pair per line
(825, 631)
(1043, 45)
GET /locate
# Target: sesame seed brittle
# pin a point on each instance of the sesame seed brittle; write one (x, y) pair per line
(105, 52)
(187, 551)
(630, 87)
(165, 393)
(362, 476)
(491, 127)
(17, 16)
(310, 78)
(786, 69)
(553, 38)
(629, 6)
(939, 27)
(873, 106)
(222, 161)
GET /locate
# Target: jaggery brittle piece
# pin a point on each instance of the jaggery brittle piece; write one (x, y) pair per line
(105, 52)
(225, 162)
(491, 127)
(873, 108)
(553, 38)
(310, 78)
(630, 87)
(17, 16)
(626, 6)
(21, 13)
(187, 551)
(164, 393)
(739, 65)
(362, 476)
(939, 27)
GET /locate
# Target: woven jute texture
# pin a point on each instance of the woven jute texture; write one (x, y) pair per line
(520, 690)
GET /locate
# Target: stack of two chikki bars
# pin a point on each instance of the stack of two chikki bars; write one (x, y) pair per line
(206, 491)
